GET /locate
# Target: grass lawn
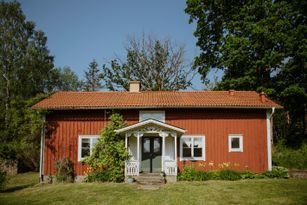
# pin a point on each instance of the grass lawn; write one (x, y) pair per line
(257, 191)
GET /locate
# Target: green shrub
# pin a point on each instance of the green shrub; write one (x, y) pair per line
(103, 176)
(277, 172)
(3, 179)
(64, 170)
(229, 175)
(190, 174)
(290, 158)
(203, 176)
(187, 174)
(247, 175)
(109, 154)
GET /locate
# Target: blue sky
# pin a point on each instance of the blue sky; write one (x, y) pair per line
(80, 31)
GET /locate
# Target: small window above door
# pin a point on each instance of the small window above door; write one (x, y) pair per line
(152, 114)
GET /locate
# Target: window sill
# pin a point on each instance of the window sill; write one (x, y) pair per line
(192, 159)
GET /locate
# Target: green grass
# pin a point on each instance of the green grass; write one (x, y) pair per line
(257, 191)
(21, 181)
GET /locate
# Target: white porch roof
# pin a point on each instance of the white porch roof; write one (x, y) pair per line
(150, 122)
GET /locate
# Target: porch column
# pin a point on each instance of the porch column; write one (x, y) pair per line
(139, 135)
(126, 141)
(175, 144)
(163, 135)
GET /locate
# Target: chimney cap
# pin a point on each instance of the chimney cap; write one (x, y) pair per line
(134, 86)
(262, 97)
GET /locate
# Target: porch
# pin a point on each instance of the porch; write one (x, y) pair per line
(152, 147)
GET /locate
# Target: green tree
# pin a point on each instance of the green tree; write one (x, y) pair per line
(260, 45)
(93, 77)
(26, 69)
(66, 79)
(25, 61)
(157, 64)
(109, 154)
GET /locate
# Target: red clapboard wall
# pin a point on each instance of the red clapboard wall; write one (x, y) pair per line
(64, 127)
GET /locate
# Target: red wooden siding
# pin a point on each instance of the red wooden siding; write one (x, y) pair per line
(64, 129)
(216, 124)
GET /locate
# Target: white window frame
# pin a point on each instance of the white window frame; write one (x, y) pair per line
(142, 112)
(230, 137)
(91, 137)
(203, 158)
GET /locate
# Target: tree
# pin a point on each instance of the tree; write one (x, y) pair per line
(26, 69)
(66, 80)
(109, 154)
(93, 77)
(260, 45)
(25, 61)
(157, 64)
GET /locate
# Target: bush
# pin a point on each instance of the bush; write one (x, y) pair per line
(3, 179)
(290, 158)
(109, 154)
(65, 170)
(229, 175)
(277, 172)
(103, 176)
(189, 174)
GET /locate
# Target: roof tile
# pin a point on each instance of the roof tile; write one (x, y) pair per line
(154, 99)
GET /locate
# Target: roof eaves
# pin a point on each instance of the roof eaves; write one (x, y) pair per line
(157, 107)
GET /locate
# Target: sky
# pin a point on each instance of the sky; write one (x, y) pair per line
(79, 31)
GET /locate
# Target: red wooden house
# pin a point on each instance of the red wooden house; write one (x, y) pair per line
(208, 130)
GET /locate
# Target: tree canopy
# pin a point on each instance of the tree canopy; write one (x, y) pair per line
(259, 45)
(27, 74)
(66, 80)
(93, 77)
(157, 64)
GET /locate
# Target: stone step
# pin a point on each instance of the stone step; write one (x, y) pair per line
(151, 182)
(150, 179)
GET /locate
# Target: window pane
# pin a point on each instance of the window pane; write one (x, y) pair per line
(157, 146)
(94, 141)
(186, 152)
(85, 148)
(198, 144)
(152, 115)
(186, 146)
(235, 143)
(146, 145)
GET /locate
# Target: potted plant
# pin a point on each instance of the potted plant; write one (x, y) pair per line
(130, 179)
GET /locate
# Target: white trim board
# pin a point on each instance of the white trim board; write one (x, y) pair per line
(150, 121)
(269, 137)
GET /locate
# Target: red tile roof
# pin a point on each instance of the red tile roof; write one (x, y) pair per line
(154, 99)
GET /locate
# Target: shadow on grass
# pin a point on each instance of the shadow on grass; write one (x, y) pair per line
(16, 188)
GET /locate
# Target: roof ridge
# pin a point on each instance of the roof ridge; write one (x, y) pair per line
(160, 91)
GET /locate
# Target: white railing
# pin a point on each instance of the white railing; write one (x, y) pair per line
(132, 168)
(170, 167)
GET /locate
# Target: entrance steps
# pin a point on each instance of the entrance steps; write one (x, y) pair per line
(150, 181)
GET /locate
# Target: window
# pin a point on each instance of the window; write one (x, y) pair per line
(85, 145)
(192, 148)
(156, 115)
(235, 143)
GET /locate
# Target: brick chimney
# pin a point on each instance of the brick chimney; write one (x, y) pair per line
(231, 92)
(134, 86)
(262, 97)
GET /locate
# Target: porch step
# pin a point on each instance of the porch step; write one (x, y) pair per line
(150, 179)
